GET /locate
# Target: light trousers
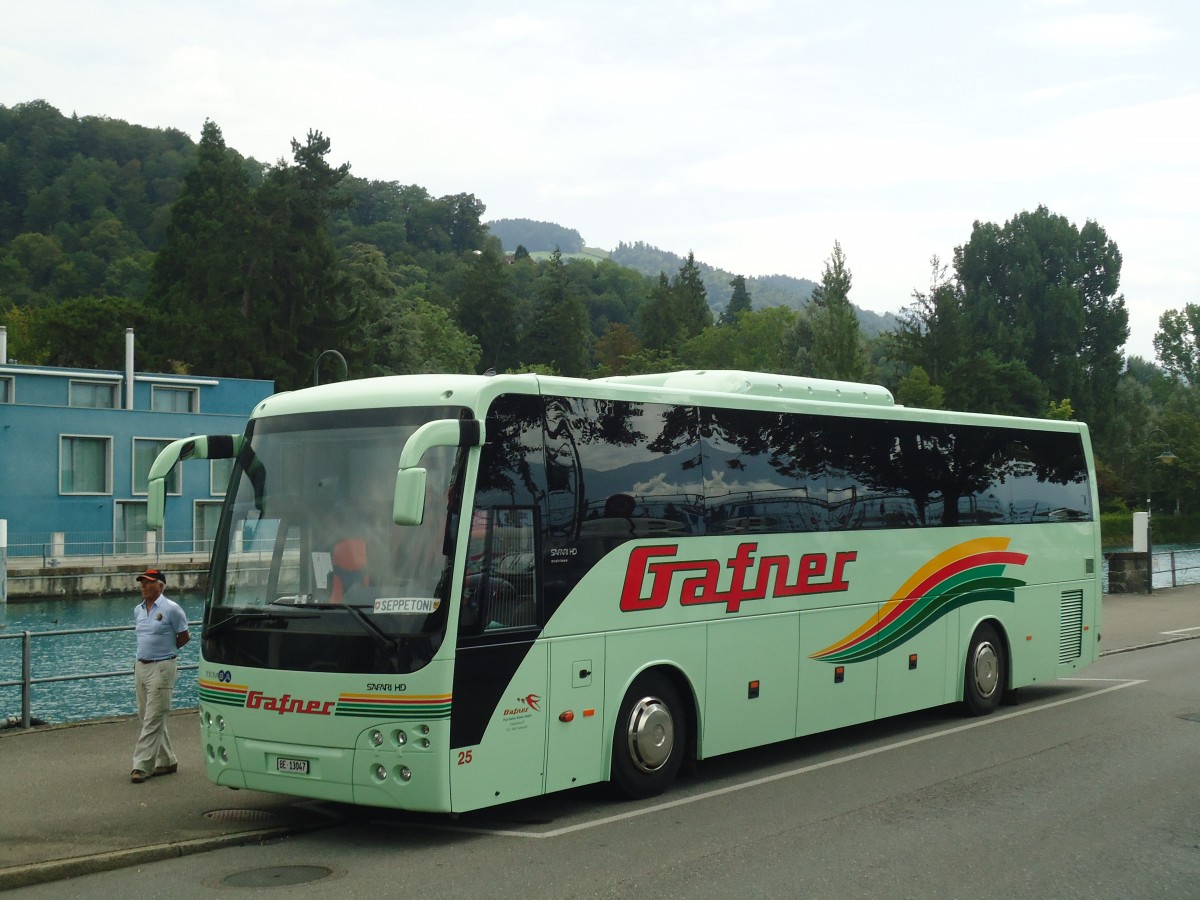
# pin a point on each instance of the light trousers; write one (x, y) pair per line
(154, 685)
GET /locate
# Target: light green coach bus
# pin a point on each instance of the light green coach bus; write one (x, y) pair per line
(444, 592)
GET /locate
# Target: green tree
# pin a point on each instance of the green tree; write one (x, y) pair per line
(987, 384)
(690, 301)
(836, 349)
(739, 301)
(80, 333)
(1177, 343)
(676, 310)
(655, 325)
(559, 334)
(487, 309)
(931, 334)
(917, 390)
(614, 348)
(201, 277)
(1040, 291)
(758, 341)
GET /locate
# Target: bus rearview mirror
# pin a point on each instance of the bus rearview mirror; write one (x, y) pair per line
(408, 506)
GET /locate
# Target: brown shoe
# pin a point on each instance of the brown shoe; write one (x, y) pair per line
(166, 770)
(137, 776)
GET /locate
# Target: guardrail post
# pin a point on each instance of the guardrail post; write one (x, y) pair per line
(3, 570)
(26, 677)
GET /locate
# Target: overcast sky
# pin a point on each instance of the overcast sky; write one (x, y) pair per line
(754, 133)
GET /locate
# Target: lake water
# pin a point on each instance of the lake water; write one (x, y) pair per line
(72, 701)
(80, 654)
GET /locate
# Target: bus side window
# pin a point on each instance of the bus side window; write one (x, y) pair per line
(500, 587)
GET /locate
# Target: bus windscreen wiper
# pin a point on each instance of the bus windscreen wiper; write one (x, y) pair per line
(211, 631)
(384, 640)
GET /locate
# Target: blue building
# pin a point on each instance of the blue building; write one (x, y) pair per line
(76, 446)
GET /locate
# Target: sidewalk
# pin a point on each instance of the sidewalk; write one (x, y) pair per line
(69, 808)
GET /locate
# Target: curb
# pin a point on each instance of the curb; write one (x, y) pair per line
(1175, 640)
(58, 869)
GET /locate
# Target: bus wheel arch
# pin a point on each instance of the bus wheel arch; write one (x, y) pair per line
(653, 735)
(986, 669)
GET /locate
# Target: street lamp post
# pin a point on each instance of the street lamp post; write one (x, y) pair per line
(1167, 457)
(335, 355)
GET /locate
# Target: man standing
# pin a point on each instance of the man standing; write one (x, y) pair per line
(161, 628)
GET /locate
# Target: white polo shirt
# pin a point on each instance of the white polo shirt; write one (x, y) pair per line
(157, 628)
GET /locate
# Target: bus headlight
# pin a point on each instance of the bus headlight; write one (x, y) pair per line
(377, 738)
(401, 737)
(405, 773)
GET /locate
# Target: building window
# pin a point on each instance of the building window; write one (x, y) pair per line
(145, 451)
(6, 390)
(172, 399)
(130, 530)
(206, 517)
(93, 394)
(84, 465)
(218, 476)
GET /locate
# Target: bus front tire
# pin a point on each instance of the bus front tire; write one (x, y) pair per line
(649, 740)
(986, 672)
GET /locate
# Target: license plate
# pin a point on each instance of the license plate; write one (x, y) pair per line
(292, 766)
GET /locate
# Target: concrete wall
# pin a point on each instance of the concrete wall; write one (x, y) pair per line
(80, 582)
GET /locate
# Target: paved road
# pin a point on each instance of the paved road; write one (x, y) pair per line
(1062, 771)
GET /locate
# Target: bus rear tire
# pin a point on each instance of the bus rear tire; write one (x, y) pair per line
(649, 739)
(986, 672)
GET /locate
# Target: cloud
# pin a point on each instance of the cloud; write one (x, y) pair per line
(1098, 32)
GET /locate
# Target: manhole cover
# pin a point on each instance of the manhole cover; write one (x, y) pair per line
(244, 816)
(273, 875)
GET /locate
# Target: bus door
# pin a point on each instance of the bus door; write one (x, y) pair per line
(575, 713)
(498, 723)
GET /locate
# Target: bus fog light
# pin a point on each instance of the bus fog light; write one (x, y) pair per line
(405, 773)
(220, 723)
(425, 743)
(377, 738)
(424, 729)
(380, 773)
(210, 753)
(223, 754)
(401, 738)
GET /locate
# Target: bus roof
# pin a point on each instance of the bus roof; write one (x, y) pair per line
(718, 387)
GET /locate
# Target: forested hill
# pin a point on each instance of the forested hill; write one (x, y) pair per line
(765, 291)
(535, 236)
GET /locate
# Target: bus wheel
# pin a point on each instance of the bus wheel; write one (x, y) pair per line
(649, 741)
(983, 686)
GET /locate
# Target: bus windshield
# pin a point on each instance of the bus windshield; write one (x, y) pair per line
(309, 572)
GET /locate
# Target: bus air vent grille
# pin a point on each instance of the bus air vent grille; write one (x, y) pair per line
(1070, 630)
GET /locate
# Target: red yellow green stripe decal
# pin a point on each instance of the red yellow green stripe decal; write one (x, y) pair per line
(394, 706)
(966, 573)
(376, 706)
(222, 694)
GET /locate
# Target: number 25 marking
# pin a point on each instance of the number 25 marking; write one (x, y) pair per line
(464, 757)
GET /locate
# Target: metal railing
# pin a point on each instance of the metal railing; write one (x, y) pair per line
(1182, 565)
(60, 547)
(26, 681)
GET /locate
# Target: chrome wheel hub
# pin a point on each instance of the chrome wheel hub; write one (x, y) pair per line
(651, 734)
